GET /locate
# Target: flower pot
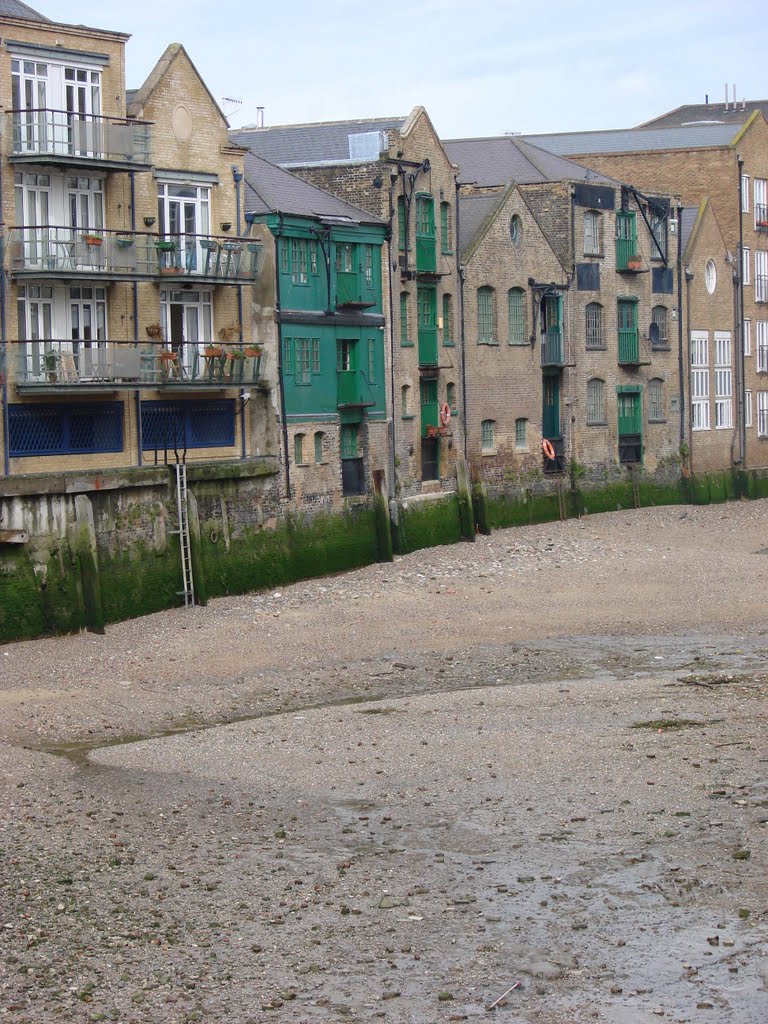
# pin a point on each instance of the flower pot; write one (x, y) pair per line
(253, 352)
(93, 240)
(123, 243)
(165, 246)
(213, 352)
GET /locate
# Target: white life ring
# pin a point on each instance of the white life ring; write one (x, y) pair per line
(445, 414)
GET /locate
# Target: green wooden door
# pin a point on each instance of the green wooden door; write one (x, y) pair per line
(550, 414)
(630, 413)
(429, 409)
(426, 250)
(626, 239)
(427, 323)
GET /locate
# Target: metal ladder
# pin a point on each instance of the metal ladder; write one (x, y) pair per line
(182, 508)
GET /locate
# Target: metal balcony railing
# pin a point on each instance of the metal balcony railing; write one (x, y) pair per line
(51, 249)
(80, 364)
(552, 353)
(352, 389)
(761, 217)
(761, 287)
(61, 134)
(627, 257)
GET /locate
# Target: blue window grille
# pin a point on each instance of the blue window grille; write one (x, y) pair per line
(65, 429)
(199, 424)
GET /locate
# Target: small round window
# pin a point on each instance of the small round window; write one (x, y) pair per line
(710, 276)
(516, 230)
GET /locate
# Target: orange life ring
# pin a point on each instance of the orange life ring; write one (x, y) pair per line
(548, 450)
(445, 414)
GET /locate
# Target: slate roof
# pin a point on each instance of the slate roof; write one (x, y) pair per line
(689, 216)
(270, 189)
(501, 159)
(15, 9)
(708, 113)
(302, 145)
(474, 213)
(636, 140)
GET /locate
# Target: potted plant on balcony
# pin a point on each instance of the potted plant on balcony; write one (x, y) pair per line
(51, 365)
(155, 331)
(253, 351)
(92, 238)
(634, 262)
(124, 241)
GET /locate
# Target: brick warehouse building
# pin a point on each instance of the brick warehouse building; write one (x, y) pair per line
(725, 162)
(397, 169)
(581, 276)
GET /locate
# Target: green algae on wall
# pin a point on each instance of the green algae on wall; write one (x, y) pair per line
(39, 603)
(426, 524)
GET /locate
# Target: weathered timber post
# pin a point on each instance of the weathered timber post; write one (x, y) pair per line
(466, 511)
(87, 556)
(381, 518)
(196, 551)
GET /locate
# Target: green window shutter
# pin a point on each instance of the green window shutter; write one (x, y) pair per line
(285, 264)
(298, 449)
(287, 355)
(517, 317)
(447, 321)
(401, 234)
(404, 339)
(368, 265)
(486, 328)
(319, 446)
(302, 354)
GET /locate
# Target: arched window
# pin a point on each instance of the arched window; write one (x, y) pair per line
(521, 434)
(659, 317)
(407, 407)
(596, 401)
(450, 395)
(593, 325)
(656, 399)
(516, 297)
(298, 449)
(486, 316)
(319, 446)
(488, 435)
(593, 223)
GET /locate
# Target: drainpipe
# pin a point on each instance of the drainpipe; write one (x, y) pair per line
(137, 393)
(4, 357)
(680, 338)
(686, 431)
(462, 333)
(740, 322)
(280, 380)
(238, 178)
(393, 179)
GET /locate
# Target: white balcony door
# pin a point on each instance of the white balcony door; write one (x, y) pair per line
(82, 102)
(35, 308)
(29, 97)
(187, 319)
(33, 211)
(88, 330)
(183, 215)
(55, 108)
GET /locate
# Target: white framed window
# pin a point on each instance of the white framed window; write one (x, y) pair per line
(761, 203)
(762, 413)
(761, 276)
(521, 434)
(761, 344)
(747, 408)
(488, 435)
(745, 193)
(700, 380)
(747, 336)
(592, 233)
(723, 381)
(745, 264)
(710, 276)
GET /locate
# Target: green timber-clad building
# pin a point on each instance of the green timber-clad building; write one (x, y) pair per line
(328, 319)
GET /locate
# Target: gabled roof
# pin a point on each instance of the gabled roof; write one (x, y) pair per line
(15, 9)
(637, 140)
(304, 145)
(475, 212)
(140, 97)
(708, 113)
(270, 189)
(497, 160)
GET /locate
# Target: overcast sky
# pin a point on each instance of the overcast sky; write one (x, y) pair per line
(480, 67)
